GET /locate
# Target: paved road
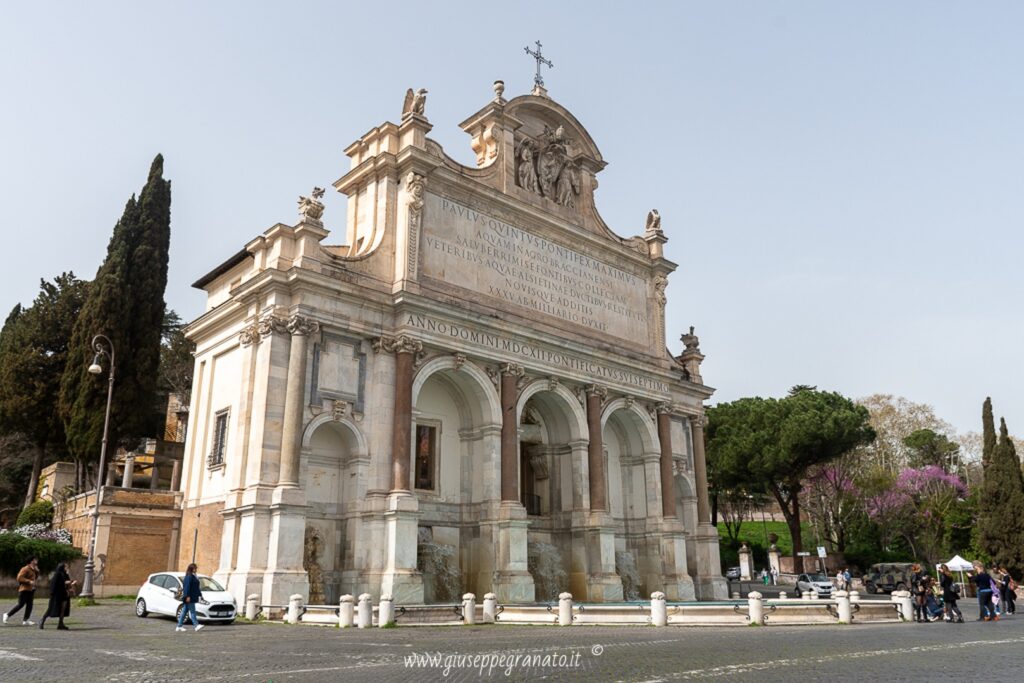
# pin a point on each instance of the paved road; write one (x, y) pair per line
(107, 643)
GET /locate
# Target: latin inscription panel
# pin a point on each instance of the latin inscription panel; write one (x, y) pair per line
(515, 267)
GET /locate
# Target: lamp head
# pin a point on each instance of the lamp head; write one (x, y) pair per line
(96, 368)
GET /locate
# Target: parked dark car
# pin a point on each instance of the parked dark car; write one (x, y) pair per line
(887, 577)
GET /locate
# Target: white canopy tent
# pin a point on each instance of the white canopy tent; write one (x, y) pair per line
(957, 564)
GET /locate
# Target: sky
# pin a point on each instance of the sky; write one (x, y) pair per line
(841, 183)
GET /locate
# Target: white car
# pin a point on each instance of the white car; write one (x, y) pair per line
(156, 596)
(815, 583)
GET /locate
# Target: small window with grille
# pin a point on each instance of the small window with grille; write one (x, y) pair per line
(220, 440)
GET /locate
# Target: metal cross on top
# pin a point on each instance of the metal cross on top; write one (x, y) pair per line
(537, 80)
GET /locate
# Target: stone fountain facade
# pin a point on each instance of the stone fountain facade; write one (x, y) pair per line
(476, 358)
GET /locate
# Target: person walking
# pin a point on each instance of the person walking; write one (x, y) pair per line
(981, 578)
(190, 595)
(27, 577)
(847, 579)
(62, 589)
(950, 594)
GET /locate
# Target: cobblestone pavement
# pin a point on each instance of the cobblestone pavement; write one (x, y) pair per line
(108, 643)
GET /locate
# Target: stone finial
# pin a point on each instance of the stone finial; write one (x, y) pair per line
(691, 357)
(311, 208)
(499, 91)
(657, 595)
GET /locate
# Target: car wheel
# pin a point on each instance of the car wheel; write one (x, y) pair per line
(870, 587)
(140, 608)
(901, 586)
(177, 615)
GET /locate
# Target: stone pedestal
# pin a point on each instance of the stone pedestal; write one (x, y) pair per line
(603, 583)
(677, 583)
(709, 584)
(774, 561)
(285, 574)
(512, 579)
(401, 579)
(746, 563)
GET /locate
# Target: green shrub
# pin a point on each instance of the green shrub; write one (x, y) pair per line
(39, 512)
(16, 551)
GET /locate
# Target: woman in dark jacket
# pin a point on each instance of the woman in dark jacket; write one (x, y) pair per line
(190, 595)
(950, 596)
(61, 589)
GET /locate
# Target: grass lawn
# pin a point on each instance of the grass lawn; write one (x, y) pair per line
(754, 535)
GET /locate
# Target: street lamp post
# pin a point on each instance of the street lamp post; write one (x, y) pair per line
(102, 346)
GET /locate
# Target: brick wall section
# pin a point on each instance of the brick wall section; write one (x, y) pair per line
(210, 526)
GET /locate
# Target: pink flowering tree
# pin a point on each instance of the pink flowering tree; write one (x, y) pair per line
(916, 508)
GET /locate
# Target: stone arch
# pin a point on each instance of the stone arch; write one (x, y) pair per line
(479, 396)
(355, 437)
(635, 416)
(564, 417)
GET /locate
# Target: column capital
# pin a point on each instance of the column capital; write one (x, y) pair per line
(249, 335)
(598, 390)
(700, 421)
(512, 369)
(403, 343)
(271, 324)
(301, 326)
(664, 408)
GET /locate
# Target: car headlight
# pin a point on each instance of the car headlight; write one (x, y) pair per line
(203, 601)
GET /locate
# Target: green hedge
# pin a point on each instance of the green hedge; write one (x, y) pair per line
(16, 551)
(39, 512)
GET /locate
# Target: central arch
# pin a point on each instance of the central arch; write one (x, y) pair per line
(455, 470)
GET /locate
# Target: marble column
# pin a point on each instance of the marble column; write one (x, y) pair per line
(405, 349)
(510, 374)
(595, 450)
(129, 471)
(291, 429)
(176, 476)
(668, 488)
(154, 476)
(700, 469)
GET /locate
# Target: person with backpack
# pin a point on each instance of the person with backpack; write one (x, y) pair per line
(950, 594)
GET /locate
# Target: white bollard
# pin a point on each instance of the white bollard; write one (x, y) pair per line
(735, 595)
(906, 605)
(386, 611)
(365, 613)
(252, 606)
(755, 607)
(294, 609)
(783, 595)
(346, 611)
(469, 609)
(854, 597)
(565, 609)
(490, 608)
(843, 607)
(659, 613)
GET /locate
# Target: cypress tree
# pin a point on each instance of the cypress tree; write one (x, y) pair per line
(988, 430)
(1001, 524)
(125, 303)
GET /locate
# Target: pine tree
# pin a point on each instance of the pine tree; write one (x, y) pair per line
(125, 303)
(32, 359)
(1001, 522)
